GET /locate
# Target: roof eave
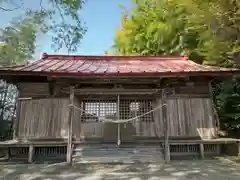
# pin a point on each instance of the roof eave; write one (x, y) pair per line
(116, 75)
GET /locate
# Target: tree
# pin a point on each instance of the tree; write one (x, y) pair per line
(60, 18)
(18, 42)
(204, 30)
(8, 94)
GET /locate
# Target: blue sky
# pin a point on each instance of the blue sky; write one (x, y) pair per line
(102, 18)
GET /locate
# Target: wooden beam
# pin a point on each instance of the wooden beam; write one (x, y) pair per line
(70, 119)
(114, 91)
(166, 129)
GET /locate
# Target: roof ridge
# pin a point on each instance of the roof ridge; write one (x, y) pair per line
(101, 57)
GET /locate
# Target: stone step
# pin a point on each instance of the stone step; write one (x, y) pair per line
(119, 151)
(104, 153)
(134, 150)
(106, 147)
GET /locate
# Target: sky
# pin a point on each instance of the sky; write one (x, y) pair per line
(101, 17)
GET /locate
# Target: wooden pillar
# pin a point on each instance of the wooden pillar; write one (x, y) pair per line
(201, 150)
(166, 129)
(118, 125)
(70, 119)
(215, 114)
(238, 146)
(16, 122)
(30, 153)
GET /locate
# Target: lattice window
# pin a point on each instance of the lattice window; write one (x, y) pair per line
(93, 110)
(96, 109)
(140, 107)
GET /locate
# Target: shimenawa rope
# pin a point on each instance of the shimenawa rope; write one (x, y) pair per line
(121, 120)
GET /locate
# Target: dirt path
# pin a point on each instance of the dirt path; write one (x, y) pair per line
(177, 170)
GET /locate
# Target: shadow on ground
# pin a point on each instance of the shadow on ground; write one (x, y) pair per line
(176, 170)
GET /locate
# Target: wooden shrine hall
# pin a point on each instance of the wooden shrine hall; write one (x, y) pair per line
(156, 106)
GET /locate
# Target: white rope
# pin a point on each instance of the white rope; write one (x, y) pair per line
(122, 120)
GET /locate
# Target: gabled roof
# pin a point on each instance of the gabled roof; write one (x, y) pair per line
(64, 65)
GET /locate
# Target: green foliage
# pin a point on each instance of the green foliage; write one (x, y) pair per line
(204, 30)
(227, 100)
(69, 31)
(60, 18)
(18, 42)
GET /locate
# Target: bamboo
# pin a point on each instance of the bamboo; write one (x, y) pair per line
(70, 119)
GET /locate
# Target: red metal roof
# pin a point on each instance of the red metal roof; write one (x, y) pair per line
(115, 65)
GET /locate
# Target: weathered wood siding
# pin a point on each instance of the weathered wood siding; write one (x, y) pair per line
(92, 130)
(187, 117)
(43, 118)
(33, 89)
(191, 117)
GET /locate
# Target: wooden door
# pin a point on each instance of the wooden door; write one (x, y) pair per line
(127, 130)
(111, 132)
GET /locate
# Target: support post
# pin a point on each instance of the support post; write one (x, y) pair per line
(118, 125)
(70, 119)
(201, 150)
(214, 109)
(166, 129)
(238, 146)
(16, 123)
(30, 153)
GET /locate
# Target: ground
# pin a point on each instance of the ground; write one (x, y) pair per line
(219, 169)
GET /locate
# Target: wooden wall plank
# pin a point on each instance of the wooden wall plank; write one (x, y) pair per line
(33, 89)
(191, 117)
(35, 118)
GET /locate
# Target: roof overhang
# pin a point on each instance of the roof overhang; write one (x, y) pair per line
(5, 73)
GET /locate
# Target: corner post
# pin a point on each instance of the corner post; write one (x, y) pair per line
(30, 153)
(18, 109)
(215, 114)
(238, 148)
(166, 129)
(201, 147)
(118, 125)
(70, 119)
